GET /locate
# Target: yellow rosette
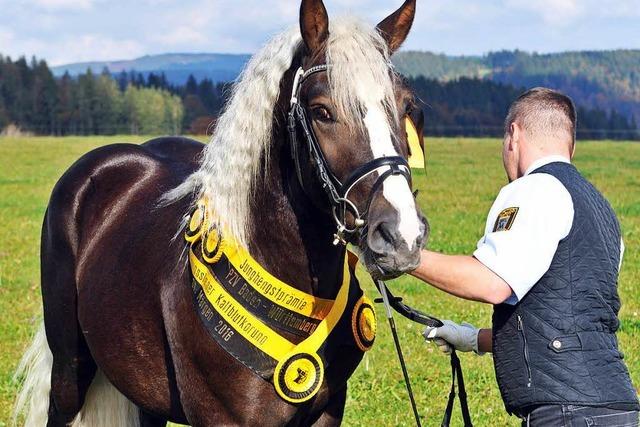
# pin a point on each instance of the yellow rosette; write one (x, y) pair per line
(298, 377)
(213, 246)
(195, 225)
(363, 323)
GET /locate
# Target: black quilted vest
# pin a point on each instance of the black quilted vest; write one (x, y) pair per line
(558, 344)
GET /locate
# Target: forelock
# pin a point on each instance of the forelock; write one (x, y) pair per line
(360, 71)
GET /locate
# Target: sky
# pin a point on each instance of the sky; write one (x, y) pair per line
(66, 31)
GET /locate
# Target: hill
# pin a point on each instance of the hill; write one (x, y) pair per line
(177, 67)
(607, 80)
(596, 79)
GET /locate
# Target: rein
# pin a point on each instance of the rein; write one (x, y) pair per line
(392, 302)
(337, 192)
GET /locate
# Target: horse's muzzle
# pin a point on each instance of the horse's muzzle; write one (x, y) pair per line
(387, 253)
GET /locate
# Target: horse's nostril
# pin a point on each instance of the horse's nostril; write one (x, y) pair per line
(383, 229)
(381, 239)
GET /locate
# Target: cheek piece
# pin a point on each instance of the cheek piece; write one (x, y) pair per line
(337, 192)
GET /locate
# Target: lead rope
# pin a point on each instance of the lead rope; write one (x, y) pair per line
(456, 367)
(387, 307)
(456, 373)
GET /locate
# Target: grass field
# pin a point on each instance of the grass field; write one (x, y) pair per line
(463, 178)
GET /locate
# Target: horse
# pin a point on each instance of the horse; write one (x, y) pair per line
(121, 343)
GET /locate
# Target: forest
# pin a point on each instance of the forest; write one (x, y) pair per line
(476, 107)
(35, 101)
(606, 80)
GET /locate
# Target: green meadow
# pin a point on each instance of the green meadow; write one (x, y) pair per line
(463, 177)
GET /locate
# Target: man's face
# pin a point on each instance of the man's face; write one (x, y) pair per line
(510, 152)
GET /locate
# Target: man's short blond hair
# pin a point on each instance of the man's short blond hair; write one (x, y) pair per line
(544, 114)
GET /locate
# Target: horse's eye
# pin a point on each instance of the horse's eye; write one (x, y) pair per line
(410, 107)
(322, 114)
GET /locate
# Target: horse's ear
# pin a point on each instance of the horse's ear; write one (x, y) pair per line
(395, 28)
(314, 24)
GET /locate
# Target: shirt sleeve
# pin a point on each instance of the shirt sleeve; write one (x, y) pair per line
(528, 220)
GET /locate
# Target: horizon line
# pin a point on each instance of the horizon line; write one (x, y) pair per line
(248, 54)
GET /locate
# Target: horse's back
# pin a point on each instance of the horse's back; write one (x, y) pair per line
(102, 182)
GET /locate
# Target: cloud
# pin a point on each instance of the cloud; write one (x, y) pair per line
(617, 8)
(220, 25)
(65, 4)
(15, 46)
(90, 47)
(6, 37)
(79, 30)
(553, 12)
(181, 36)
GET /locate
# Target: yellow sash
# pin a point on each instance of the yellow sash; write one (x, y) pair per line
(299, 370)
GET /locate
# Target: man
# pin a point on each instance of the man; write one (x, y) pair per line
(549, 263)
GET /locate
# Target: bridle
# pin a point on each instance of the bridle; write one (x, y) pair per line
(337, 192)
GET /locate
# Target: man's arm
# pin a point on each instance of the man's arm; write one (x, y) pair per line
(462, 276)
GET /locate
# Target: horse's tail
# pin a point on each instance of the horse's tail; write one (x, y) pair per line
(35, 372)
(104, 405)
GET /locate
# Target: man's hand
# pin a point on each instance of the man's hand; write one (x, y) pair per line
(453, 336)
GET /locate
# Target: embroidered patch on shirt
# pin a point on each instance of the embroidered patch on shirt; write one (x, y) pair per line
(505, 219)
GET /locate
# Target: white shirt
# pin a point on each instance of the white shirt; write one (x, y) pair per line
(528, 219)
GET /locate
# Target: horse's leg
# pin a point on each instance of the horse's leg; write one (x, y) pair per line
(149, 420)
(73, 367)
(332, 415)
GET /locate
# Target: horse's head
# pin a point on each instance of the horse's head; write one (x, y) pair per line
(348, 114)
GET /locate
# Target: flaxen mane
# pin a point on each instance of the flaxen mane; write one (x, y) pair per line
(360, 74)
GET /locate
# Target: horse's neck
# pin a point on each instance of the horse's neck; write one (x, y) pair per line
(291, 238)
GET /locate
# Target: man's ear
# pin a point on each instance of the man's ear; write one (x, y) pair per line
(515, 133)
(573, 150)
(314, 24)
(395, 28)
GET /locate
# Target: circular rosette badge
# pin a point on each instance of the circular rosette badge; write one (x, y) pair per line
(297, 378)
(195, 225)
(363, 324)
(212, 246)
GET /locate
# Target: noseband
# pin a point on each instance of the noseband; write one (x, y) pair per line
(337, 192)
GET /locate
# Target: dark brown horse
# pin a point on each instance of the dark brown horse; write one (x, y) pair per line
(123, 343)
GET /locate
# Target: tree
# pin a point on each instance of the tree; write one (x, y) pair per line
(152, 111)
(44, 98)
(109, 106)
(4, 116)
(65, 109)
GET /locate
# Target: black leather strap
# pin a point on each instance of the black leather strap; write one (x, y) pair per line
(298, 119)
(456, 374)
(409, 312)
(393, 161)
(456, 368)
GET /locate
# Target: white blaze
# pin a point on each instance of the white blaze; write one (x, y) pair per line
(395, 188)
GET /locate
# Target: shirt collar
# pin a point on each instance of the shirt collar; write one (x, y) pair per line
(545, 161)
